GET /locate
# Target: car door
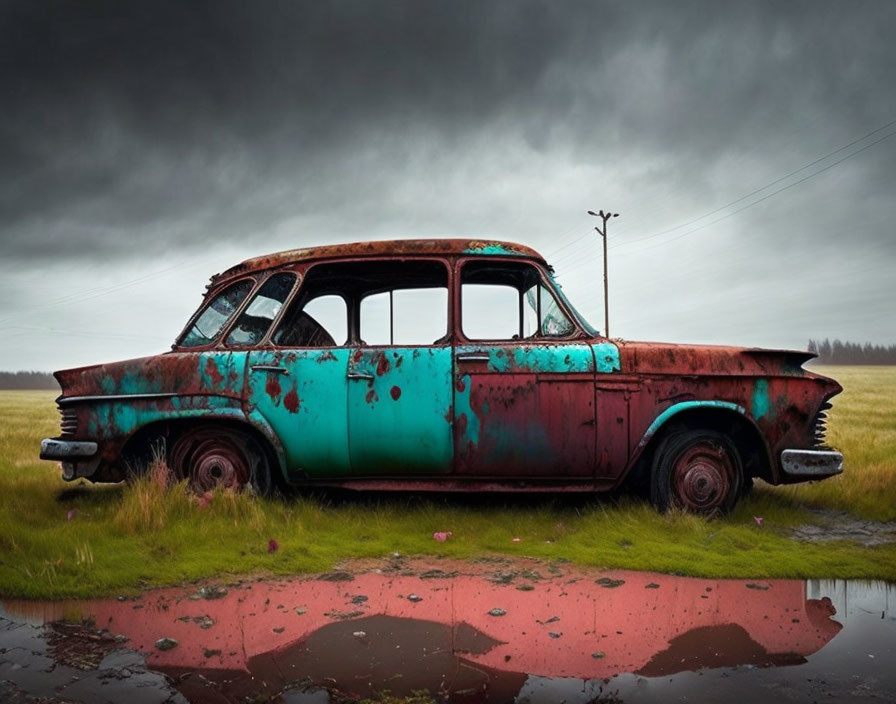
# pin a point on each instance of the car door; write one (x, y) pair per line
(400, 374)
(524, 379)
(297, 383)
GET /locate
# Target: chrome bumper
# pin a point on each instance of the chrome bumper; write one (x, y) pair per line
(53, 449)
(811, 464)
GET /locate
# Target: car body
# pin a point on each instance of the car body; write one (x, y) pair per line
(439, 364)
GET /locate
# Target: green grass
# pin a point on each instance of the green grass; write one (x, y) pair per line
(70, 540)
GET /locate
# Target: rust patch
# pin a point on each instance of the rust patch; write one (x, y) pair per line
(272, 388)
(371, 397)
(326, 357)
(212, 370)
(461, 385)
(382, 365)
(395, 392)
(291, 402)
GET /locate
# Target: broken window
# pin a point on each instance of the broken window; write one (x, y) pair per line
(509, 301)
(368, 303)
(252, 325)
(216, 314)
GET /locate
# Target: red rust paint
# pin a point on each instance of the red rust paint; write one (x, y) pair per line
(291, 401)
(362, 250)
(371, 397)
(212, 370)
(272, 388)
(395, 392)
(382, 364)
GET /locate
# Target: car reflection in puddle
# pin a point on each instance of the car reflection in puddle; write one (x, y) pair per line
(527, 632)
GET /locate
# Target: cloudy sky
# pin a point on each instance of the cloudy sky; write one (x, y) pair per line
(749, 148)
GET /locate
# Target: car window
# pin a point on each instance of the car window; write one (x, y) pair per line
(252, 325)
(321, 322)
(216, 314)
(370, 302)
(508, 301)
(405, 316)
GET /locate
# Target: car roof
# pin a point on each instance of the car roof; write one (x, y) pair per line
(387, 248)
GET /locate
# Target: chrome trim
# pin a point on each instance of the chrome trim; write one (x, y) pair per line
(365, 376)
(272, 368)
(475, 357)
(811, 463)
(112, 397)
(53, 449)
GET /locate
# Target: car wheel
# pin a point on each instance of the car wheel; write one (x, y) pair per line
(211, 458)
(698, 471)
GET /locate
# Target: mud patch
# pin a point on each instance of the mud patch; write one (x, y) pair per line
(840, 525)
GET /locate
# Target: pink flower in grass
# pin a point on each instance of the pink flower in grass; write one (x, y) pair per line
(758, 520)
(273, 545)
(441, 536)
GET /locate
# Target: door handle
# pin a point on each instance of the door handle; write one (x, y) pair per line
(366, 376)
(473, 357)
(272, 368)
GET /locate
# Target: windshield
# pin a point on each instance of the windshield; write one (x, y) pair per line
(216, 314)
(590, 329)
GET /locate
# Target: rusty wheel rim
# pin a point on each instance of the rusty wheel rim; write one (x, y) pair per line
(702, 477)
(210, 461)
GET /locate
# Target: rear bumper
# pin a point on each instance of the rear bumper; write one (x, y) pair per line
(811, 464)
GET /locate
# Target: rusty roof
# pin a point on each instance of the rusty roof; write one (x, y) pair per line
(387, 248)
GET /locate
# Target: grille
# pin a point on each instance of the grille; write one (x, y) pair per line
(69, 421)
(820, 428)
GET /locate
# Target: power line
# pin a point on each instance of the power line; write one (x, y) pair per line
(772, 183)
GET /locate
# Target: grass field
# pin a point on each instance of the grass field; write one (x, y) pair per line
(68, 540)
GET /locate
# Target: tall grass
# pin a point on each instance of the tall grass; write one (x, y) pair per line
(64, 540)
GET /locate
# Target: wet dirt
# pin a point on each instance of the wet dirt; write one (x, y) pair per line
(495, 630)
(840, 525)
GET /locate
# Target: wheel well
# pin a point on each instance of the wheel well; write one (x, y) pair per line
(742, 433)
(143, 444)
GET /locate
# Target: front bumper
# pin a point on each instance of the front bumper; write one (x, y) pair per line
(77, 457)
(811, 464)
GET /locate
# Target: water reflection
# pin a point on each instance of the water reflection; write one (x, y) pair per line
(495, 636)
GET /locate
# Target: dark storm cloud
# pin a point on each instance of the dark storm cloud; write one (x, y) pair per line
(171, 124)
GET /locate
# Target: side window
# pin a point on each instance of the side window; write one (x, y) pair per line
(405, 316)
(368, 302)
(216, 314)
(320, 322)
(508, 301)
(252, 325)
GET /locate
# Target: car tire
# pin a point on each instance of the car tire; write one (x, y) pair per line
(697, 471)
(211, 457)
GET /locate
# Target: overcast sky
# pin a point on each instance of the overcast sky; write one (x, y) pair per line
(146, 146)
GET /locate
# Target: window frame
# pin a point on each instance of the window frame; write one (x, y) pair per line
(263, 341)
(352, 299)
(210, 296)
(543, 280)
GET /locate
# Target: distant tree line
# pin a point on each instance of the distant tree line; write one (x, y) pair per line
(27, 380)
(838, 352)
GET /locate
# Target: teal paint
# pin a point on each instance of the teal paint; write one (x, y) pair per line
(534, 358)
(314, 434)
(494, 248)
(400, 419)
(677, 408)
(761, 403)
(463, 408)
(606, 355)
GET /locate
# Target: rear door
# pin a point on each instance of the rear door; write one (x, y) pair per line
(524, 379)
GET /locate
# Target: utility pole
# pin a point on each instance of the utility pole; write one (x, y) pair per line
(603, 233)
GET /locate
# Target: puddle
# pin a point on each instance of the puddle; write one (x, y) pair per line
(494, 632)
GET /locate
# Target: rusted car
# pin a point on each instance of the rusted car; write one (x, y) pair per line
(439, 365)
